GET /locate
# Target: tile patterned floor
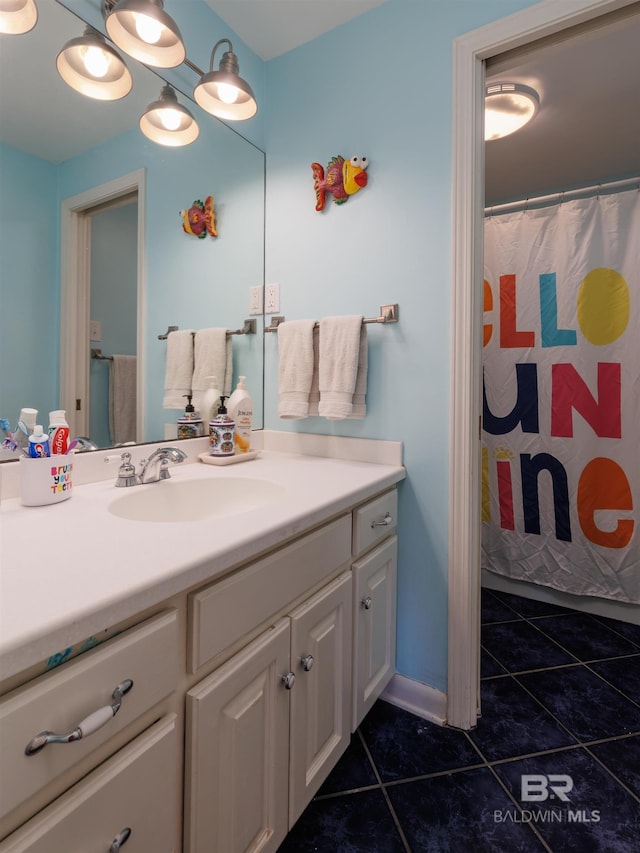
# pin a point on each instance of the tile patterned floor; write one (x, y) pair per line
(560, 696)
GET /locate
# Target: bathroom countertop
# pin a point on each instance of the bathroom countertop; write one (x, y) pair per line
(73, 569)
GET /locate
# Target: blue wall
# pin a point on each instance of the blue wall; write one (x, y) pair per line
(389, 243)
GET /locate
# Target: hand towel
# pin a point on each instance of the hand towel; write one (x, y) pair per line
(359, 409)
(122, 398)
(179, 369)
(295, 368)
(339, 356)
(314, 394)
(213, 356)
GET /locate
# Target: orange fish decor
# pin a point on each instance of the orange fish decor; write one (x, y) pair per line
(200, 219)
(342, 179)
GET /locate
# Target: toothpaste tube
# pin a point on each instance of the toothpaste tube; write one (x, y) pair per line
(38, 443)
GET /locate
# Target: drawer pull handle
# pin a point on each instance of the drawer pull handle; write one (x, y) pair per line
(384, 523)
(85, 728)
(307, 662)
(120, 840)
(367, 602)
(289, 680)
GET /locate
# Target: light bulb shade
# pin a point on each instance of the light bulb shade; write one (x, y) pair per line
(508, 107)
(167, 122)
(91, 66)
(223, 93)
(144, 30)
(17, 16)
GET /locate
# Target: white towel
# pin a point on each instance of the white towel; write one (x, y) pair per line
(122, 398)
(213, 356)
(295, 367)
(179, 369)
(342, 340)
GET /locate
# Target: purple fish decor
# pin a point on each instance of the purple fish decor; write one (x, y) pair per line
(341, 179)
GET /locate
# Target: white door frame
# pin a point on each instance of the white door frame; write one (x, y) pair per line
(469, 53)
(75, 266)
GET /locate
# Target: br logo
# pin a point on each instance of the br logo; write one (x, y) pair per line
(537, 788)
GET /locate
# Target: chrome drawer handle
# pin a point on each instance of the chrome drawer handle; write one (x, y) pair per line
(289, 680)
(120, 840)
(307, 662)
(385, 522)
(85, 728)
(367, 602)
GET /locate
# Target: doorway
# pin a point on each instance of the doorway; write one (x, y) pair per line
(75, 324)
(470, 53)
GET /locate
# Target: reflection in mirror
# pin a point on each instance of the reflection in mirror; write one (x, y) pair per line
(57, 145)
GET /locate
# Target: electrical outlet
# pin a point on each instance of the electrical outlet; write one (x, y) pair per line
(256, 296)
(271, 298)
(95, 330)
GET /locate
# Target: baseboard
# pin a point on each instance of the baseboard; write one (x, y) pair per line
(418, 698)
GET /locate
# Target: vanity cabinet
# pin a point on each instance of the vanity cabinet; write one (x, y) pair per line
(246, 690)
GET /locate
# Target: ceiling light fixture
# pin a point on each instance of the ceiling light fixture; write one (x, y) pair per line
(508, 107)
(145, 31)
(167, 122)
(91, 66)
(223, 93)
(17, 16)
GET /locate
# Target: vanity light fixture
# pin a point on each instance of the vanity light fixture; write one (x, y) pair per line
(508, 107)
(145, 31)
(167, 122)
(223, 93)
(91, 66)
(17, 16)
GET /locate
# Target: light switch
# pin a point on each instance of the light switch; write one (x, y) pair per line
(95, 330)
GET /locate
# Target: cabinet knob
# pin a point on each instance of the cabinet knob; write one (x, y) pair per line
(120, 840)
(367, 602)
(307, 662)
(385, 521)
(87, 726)
(289, 680)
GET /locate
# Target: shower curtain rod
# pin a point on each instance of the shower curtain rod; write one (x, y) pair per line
(567, 195)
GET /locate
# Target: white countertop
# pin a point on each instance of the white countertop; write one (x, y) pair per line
(71, 570)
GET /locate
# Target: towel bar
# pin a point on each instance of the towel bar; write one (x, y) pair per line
(388, 314)
(97, 353)
(248, 328)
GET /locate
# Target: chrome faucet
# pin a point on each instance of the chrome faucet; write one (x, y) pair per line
(156, 467)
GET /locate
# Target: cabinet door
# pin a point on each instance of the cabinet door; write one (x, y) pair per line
(133, 796)
(237, 751)
(321, 697)
(374, 615)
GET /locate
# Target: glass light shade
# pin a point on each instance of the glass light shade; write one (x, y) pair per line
(167, 122)
(17, 16)
(223, 93)
(144, 30)
(508, 107)
(92, 67)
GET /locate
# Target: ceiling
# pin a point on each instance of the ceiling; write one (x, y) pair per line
(587, 128)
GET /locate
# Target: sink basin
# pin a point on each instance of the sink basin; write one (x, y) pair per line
(195, 500)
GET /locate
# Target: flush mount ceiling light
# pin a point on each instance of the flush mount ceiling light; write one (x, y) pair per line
(144, 30)
(508, 107)
(91, 66)
(167, 122)
(17, 16)
(223, 93)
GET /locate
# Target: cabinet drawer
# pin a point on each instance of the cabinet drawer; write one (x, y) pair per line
(374, 521)
(58, 701)
(136, 789)
(227, 610)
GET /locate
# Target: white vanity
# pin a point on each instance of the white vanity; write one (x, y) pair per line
(256, 641)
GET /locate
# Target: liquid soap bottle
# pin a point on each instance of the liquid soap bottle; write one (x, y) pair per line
(190, 424)
(210, 400)
(241, 412)
(221, 432)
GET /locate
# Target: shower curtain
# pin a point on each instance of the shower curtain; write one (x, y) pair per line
(561, 396)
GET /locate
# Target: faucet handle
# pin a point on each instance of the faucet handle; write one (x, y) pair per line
(126, 472)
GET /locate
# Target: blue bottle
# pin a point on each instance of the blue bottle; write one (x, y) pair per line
(38, 443)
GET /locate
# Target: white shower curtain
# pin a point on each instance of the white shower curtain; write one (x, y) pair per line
(561, 396)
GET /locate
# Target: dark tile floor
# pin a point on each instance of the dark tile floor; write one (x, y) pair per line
(560, 698)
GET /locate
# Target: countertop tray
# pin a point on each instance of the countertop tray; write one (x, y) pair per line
(227, 460)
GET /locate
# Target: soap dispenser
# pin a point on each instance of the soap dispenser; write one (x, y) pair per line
(190, 424)
(210, 400)
(222, 432)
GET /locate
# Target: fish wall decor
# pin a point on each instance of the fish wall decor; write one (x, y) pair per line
(341, 179)
(200, 219)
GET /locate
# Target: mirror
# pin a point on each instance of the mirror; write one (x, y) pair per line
(56, 145)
